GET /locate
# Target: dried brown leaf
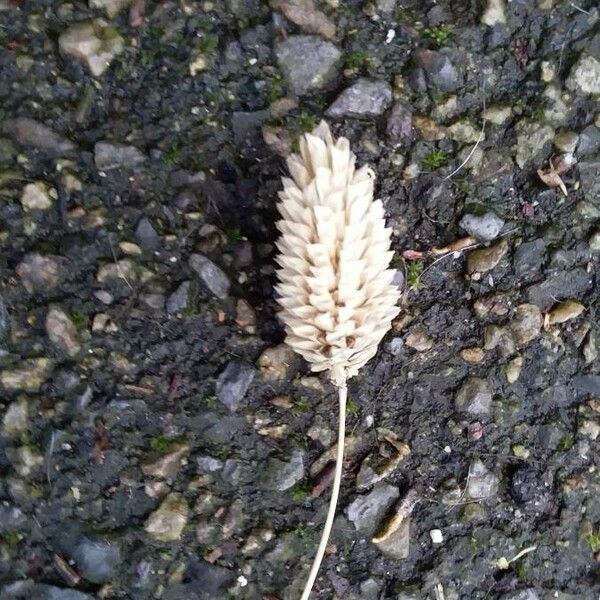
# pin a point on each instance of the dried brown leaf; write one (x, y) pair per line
(456, 246)
(552, 179)
(405, 508)
(323, 480)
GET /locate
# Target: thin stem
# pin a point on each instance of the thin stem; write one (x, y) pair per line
(339, 462)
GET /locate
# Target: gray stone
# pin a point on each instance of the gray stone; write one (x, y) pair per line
(594, 243)
(166, 523)
(585, 75)
(589, 175)
(474, 397)
(112, 155)
(243, 123)
(4, 321)
(233, 383)
(365, 98)
(485, 227)
(481, 483)
(587, 384)
(399, 279)
(589, 141)
(370, 589)
(207, 582)
(96, 561)
(528, 594)
(94, 43)
(532, 140)
(11, 518)
(282, 475)
(146, 235)
(62, 331)
(529, 256)
(397, 546)
(210, 275)
(366, 512)
(236, 473)
(16, 418)
(180, 299)
(208, 464)
(29, 590)
(32, 133)
(532, 488)
(563, 285)
(485, 259)
(500, 338)
(399, 127)
(40, 273)
(308, 62)
(526, 324)
(155, 301)
(439, 72)
(394, 346)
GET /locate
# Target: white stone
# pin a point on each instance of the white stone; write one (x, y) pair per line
(436, 536)
(94, 43)
(36, 196)
(111, 7)
(497, 114)
(585, 75)
(494, 13)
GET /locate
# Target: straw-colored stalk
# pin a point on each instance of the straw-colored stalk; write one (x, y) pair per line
(335, 285)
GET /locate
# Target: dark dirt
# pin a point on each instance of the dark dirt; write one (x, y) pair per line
(156, 440)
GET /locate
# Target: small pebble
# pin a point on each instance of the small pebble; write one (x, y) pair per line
(565, 311)
(472, 355)
(474, 431)
(513, 369)
(436, 536)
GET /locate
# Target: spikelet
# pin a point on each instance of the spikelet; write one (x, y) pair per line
(336, 293)
(335, 290)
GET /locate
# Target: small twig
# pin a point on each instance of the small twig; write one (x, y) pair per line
(464, 162)
(174, 387)
(121, 274)
(49, 454)
(455, 254)
(522, 553)
(337, 480)
(479, 139)
(585, 12)
(439, 592)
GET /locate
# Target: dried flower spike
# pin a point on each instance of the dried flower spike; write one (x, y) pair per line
(336, 293)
